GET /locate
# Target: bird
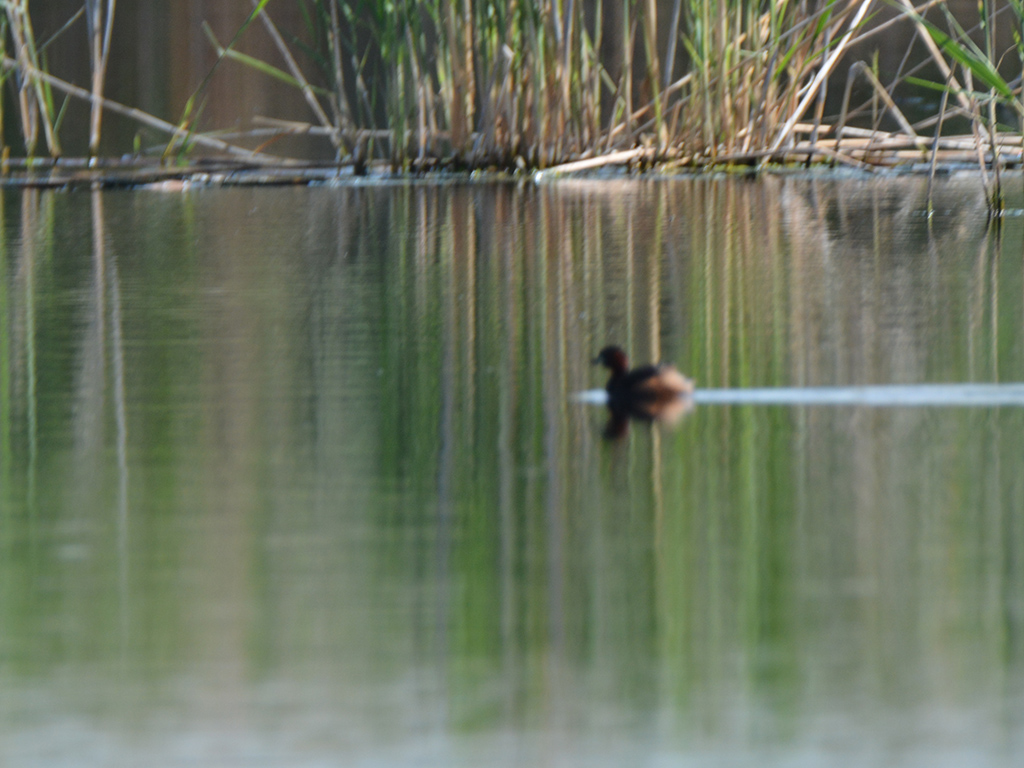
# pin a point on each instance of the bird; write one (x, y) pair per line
(648, 392)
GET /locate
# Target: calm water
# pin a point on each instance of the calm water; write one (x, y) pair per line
(293, 477)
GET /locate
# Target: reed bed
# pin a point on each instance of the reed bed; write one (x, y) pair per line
(569, 86)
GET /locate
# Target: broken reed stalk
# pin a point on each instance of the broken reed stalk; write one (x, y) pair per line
(823, 73)
(859, 67)
(293, 67)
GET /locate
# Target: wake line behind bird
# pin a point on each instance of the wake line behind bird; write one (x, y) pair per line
(659, 393)
(878, 395)
(874, 395)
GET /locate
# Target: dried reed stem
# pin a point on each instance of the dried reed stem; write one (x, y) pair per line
(136, 114)
(823, 73)
(296, 72)
(100, 23)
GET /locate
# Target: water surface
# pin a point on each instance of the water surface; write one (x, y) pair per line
(293, 476)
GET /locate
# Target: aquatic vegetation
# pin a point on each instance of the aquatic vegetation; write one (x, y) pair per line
(499, 83)
(537, 84)
(541, 84)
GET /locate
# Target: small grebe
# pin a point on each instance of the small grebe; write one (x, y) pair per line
(650, 392)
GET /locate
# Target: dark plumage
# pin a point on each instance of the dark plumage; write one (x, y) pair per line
(649, 392)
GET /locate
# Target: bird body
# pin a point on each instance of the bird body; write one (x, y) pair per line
(649, 392)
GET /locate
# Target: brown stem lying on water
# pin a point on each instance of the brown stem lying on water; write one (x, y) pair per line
(614, 158)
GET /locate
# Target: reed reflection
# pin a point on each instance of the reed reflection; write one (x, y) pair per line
(357, 484)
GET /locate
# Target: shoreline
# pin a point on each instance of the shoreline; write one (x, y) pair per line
(82, 173)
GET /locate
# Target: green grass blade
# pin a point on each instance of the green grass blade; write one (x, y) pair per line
(979, 65)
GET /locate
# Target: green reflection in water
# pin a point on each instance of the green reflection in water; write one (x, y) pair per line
(294, 472)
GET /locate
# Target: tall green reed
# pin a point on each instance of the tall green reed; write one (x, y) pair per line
(100, 24)
(33, 97)
(981, 91)
(25, 63)
(537, 83)
(540, 82)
